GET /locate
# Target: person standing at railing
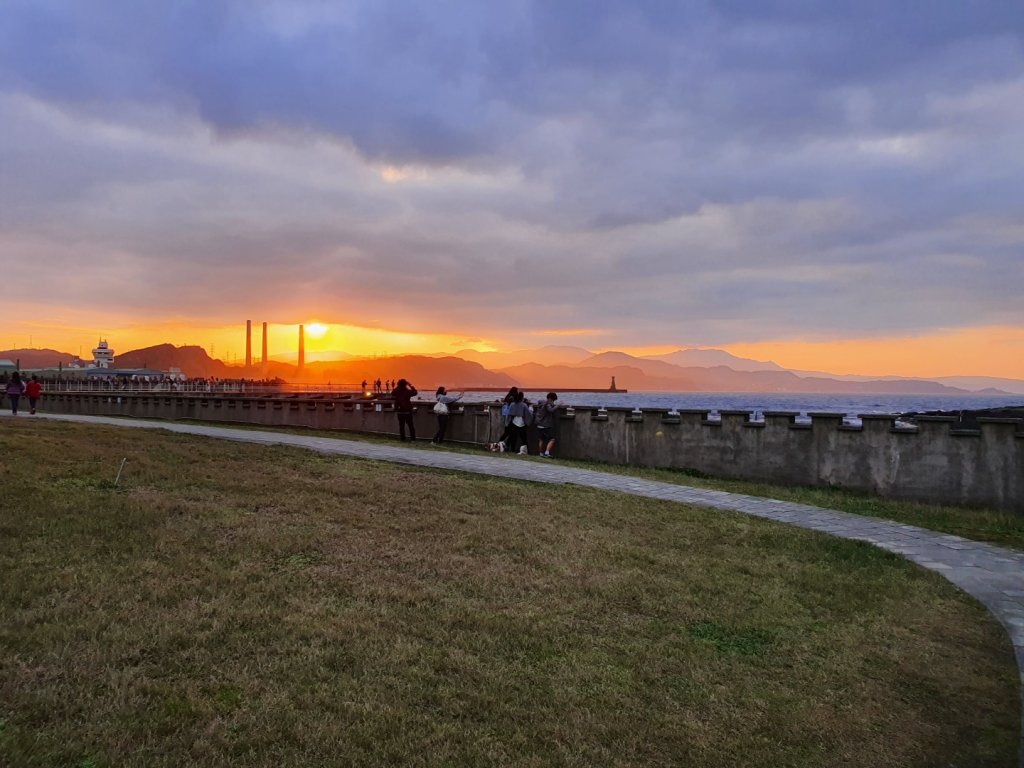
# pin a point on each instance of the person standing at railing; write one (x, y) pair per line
(404, 393)
(517, 420)
(442, 409)
(545, 421)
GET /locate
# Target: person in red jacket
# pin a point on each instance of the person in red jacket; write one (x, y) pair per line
(33, 390)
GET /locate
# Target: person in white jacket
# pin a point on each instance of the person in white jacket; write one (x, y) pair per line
(442, 409)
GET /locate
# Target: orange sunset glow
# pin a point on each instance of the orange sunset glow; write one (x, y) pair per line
(996, 351)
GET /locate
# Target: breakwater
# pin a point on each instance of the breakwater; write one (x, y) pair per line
(932, 461)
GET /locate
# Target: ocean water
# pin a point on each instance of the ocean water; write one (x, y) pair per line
(850, 405)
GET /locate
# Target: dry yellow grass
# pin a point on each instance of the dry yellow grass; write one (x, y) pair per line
(244, 605)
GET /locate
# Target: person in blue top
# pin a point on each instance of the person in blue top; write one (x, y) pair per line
(506, 403)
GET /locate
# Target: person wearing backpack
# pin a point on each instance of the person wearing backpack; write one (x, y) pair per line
(442, 409)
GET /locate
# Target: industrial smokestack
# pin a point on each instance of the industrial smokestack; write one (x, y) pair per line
(264, 358)
(248, 344)
(302, 347)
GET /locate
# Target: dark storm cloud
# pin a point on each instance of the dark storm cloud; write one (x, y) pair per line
(579, 158)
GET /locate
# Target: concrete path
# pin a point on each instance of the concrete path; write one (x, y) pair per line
(991, 574)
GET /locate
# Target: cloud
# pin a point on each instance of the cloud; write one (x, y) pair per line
(656, 170)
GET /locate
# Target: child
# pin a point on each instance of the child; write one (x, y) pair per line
(33, 390)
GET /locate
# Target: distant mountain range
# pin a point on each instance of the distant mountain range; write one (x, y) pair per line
(38, 358)
(553, 366)
(709, 358)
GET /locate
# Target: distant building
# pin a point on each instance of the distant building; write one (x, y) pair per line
(102, 356)
(6, 366)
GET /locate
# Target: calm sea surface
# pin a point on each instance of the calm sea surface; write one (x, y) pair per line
(851, 405)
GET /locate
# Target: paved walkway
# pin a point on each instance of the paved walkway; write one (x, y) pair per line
(993, 575)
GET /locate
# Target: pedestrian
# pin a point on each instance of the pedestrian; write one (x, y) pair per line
(404, 393)
(545, 421)
(442, 409)
(519, 417)
(33, 390)
(362, 388)
(15, 389)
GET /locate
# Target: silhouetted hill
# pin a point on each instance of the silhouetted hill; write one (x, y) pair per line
(653, 375)
(193, 361)
(655, 368)
(709, 358)
(38, 358)
(424, 372)
(594, 377)
(551, 354)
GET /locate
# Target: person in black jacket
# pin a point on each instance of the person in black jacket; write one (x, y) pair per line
(404, 393)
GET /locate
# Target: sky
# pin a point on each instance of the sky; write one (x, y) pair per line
(833, 186)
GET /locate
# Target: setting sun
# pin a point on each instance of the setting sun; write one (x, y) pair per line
(316, 330)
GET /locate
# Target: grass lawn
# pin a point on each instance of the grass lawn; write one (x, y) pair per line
(248, 605)
(972, 523)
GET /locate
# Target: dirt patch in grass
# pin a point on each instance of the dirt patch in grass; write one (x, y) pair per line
(250, 605)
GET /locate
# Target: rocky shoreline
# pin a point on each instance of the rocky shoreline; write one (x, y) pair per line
(969, 419)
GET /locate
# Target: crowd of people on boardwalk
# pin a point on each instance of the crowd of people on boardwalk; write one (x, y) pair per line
(153, 383)
(385, 387)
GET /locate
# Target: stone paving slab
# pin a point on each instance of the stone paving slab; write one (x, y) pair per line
(991, 574)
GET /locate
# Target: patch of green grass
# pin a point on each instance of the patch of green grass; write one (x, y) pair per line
(745, 642)
(250, 605)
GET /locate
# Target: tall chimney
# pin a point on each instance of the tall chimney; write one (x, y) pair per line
(248, 344)
(302, 347)
(264, 358)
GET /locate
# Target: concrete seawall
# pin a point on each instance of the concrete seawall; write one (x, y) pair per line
(930, 462)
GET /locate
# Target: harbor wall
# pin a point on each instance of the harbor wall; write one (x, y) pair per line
(932, 461)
